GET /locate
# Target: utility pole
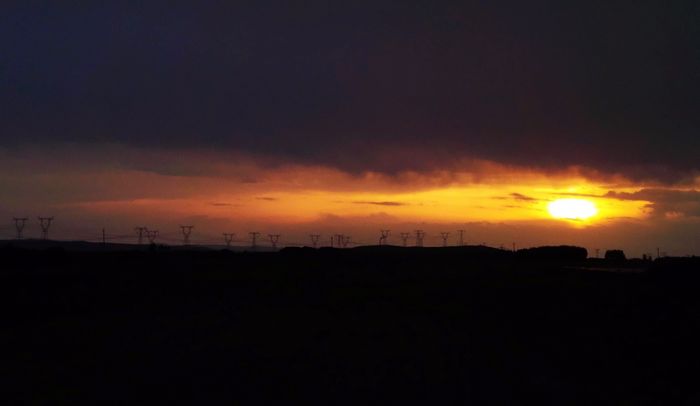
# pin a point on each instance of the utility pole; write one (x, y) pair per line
(228, 238)
(314, 239)
(444, 236)
(20, 222)
(461, 237)
(152, 235)
(420, 234)
(45, 224)
(254, 239)
(140, 231)
(404, 238)
(384, 237)
(186, 231)
(274, 238)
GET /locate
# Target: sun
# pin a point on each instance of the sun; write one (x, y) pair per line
(572, 209)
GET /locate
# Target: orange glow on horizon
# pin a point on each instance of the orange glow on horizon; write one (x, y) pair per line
(277, 201)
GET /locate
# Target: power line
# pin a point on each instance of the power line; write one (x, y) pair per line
(20, 222)
(274, 238)
(314, 239)
(254, 239)
(420, 234)
(45, 224)
(152, 235)
(140, 231)
(186, 232)
(404, 238)
(444, 235)
(384, 236)
(228, 238)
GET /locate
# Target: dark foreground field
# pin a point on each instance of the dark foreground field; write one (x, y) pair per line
(344, 327)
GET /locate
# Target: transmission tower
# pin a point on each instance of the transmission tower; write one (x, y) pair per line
(152, 235)
(45, 224)
(253, 239)
(420, 234)
(385, 236)
(314, 239)
(228, 238)
(404, 238)
(461, 237)
(140, 231)
(186, 231)
(346, 241)
(445, 235)
(19, 225)
(339, 240)
(274, 238)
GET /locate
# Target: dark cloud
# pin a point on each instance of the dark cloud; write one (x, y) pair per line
(380, 203)
(217, 204)
(665, 202)
(267, 198)
(522, 197)
(516, 196)
(385, 85)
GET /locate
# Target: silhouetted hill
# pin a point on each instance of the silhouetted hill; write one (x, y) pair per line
(561, 253)
(460, 325)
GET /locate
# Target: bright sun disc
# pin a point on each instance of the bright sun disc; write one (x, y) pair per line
(572, 209)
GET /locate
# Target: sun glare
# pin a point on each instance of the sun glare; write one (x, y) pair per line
(572, 209)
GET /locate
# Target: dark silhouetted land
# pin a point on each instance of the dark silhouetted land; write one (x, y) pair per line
(373, 325)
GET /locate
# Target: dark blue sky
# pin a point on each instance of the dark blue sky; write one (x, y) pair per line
(377, 85)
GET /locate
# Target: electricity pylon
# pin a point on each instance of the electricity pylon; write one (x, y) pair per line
(152, 235)
(420, 234)
(339, 239)
(445, 235)
(274, 238)
(404, 238)
(186, 231)
(461, 237)
(253, 239)
(228, 238)
(140, 231)
(45, 224)
(314, 239)
(20, 222)
(384, 237)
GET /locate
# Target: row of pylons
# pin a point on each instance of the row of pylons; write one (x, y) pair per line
(44, 224)
(336, 240)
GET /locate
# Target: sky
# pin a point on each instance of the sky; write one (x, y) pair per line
(350, 117)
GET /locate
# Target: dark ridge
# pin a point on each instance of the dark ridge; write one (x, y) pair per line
(562, 252)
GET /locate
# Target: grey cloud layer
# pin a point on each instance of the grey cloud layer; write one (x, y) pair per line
(383, 85)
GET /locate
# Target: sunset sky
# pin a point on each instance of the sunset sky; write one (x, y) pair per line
(351, 117)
